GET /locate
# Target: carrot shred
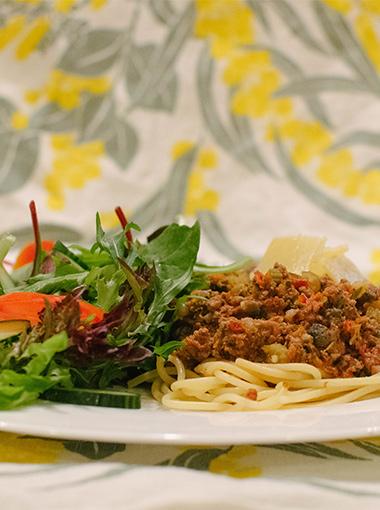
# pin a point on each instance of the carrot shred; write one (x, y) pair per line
(29, 305)
(28, 252)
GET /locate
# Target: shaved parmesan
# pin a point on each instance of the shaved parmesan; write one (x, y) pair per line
(305, 253)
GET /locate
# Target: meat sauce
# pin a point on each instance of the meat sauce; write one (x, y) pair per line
(279, 317)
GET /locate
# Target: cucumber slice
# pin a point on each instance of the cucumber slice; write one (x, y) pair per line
(100, 398)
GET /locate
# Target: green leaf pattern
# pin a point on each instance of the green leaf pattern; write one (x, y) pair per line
(119, 98)
(92, 53)
(6, 110)
(161, 98)
(328, 462)
(18, 157)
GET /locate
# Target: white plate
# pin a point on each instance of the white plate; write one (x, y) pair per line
(154, 425)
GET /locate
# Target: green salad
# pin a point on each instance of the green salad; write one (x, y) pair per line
(76, 323)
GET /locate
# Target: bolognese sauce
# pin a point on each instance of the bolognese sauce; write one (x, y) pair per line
(280, 317)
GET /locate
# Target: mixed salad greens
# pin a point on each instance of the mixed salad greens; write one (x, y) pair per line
(77, 322)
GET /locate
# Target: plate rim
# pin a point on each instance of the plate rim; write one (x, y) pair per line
(286, 435)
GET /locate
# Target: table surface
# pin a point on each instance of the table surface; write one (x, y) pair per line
(336, 467)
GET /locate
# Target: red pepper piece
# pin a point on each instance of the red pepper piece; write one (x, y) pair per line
(301, 282)
(252, 394)
(235, 326)
(347, 326)
(303, 299)
(259, 278)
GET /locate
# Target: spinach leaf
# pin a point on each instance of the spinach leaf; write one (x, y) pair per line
(173, 253)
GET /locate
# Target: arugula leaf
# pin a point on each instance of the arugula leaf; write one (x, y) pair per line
(235, 266)
(134, 283)
(51, 284)
(59, 247)
(114, 245)
(167, 348)
(90, 258)
(63, 268)
(98, 374)
(199, 281)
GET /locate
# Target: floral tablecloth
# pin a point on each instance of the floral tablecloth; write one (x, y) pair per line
(258, 118)
(54, 474)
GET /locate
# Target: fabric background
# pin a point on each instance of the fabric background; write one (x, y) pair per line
(258, 117)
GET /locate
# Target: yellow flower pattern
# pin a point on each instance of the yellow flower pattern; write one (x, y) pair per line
(251, 75)
(19, 120)
(11, 30)
(375, 273)
(336, 170)
(227, 23)
(366, 31)
(30, 2)
(343, 6)
(199, 195)
(256, 80)
(64, 6)
(309, 139)
(180, 148)
(98, 4)
(109, 219)
(262, 103)
(32, 38)
(369, 190)
(28, 450)
(238, 462)
(73, 166)
(66, 89)
(28, 35)
(364, 23)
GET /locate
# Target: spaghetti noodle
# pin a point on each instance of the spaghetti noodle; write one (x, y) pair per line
(242, 385)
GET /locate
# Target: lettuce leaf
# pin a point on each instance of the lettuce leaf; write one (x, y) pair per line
(24, 384)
